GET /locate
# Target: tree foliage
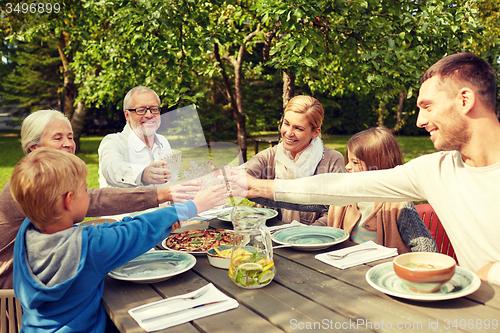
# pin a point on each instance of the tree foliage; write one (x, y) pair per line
(230, 57)
(368, 46)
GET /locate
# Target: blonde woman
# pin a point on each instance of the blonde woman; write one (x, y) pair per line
(300, 153)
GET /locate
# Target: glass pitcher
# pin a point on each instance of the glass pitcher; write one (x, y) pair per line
(252, 264)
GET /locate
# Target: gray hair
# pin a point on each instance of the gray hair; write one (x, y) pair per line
(35, 125)
(127, 101)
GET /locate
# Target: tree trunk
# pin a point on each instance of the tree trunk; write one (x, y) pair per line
(69, 89)
(399, 124)
(288, 86)
(240, 114)
(267, 44)
(77, 123)
(381, 113)
(232, 100)
(237, 99)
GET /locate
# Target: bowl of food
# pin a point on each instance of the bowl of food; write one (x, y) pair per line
(424, 272)
(220, 257)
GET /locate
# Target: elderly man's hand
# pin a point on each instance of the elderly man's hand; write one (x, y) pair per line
(155, 173)
(185, 191)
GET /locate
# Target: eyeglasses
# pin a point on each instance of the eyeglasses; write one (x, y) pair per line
(142, 111)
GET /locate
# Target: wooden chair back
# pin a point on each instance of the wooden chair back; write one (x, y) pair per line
(11, 312)
(431, 220)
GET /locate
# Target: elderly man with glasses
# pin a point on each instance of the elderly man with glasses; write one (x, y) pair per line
(130, 158)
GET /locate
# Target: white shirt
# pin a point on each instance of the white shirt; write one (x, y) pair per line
(465, 198)
(124, 156)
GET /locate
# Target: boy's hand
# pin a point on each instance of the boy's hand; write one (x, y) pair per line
(175, 226)
(214, 196)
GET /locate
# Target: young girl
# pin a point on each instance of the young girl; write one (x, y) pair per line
(392, 224)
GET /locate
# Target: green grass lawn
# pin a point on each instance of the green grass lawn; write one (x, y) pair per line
(10, 146)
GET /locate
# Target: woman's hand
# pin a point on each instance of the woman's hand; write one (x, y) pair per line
(214, 196)
(239, 181)
(244, 185)
(185, 191)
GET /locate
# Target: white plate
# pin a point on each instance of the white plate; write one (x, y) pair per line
(226, 215)
(310, 238)
(154, 266)
(383, 278)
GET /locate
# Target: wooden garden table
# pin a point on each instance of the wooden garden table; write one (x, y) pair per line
(306, 295)
(271, 140)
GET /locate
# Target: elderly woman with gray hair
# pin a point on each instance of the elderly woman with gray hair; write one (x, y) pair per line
(50, 128)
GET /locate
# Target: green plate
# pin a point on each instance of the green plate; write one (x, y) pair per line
(383, 278)
(154, 266)
(310, 238)
(226, 215)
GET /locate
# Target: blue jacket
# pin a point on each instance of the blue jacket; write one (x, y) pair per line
(75, 304)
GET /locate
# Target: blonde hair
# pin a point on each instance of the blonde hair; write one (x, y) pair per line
(41, 178)
(310, 107)
(35, 125)
(377, 147)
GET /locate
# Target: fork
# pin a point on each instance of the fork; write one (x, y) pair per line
(286, 227)
(195, 296)
(340, 256)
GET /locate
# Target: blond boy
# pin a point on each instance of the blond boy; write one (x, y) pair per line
(59, 267)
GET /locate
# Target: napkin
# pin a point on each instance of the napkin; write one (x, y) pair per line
(357, 258)
(294, 223)
(174, 304)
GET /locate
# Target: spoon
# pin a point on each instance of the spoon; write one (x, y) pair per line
(337, 256)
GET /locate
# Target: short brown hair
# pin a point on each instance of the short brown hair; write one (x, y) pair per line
(41, 178)
(310, 107)
(466, 69)
(377, 147)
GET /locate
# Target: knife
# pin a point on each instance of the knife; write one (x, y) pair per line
(178, 311)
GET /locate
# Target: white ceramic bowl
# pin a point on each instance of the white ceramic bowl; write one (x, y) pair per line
(424, 272)
(218, 261)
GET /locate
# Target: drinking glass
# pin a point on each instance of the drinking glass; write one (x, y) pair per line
(172, 159)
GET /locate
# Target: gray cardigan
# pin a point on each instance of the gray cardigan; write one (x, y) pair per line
(262, 166)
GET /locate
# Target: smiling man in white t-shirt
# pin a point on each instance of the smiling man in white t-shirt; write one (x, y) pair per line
(461, 182)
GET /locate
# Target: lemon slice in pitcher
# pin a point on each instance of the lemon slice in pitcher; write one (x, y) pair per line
(251, 266)
(266, 276)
